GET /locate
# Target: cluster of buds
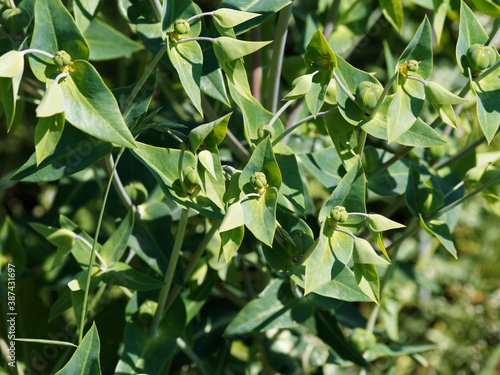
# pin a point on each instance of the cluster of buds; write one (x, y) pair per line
(367, 95)
(407, 67)
(259, 182)
(338, 215)
(181, 27)
(190, 180)
(480, 57)
(63, 60)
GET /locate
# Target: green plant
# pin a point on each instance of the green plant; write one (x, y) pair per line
(185, 206)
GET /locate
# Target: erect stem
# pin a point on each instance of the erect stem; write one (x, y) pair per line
(382, 96)
(295, 126)
(169, 275)
(277, 58)
(93, 252)
(199, 15)
(103, 262)
(279, 113)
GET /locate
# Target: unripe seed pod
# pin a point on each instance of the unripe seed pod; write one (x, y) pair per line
(362, 339)
(412, 65)
(429, 200)
(264, 131)
(191, 181)
(182, 27)
(62, 58)
(480, 57)
(259, 182)
(302, 243)
(339, 214)
(368, 94)
(137, 192)
(370, 159)
(14, 20)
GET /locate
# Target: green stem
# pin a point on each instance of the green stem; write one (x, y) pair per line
(277, 58)
(198, 38)
(199, 15)
(346, 232)
(416, 79)
(460, 154)
(169, 275)
(296, 125)
(191, 354)
(157, 8)
(382, 96)
(12, 4)
(93, 252)
(118, 183)
(344, 89)
(280, 112)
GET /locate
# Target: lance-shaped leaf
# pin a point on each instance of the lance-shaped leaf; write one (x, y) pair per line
(233, 218)
(228, 49)
(440, 11)
(91, 107)
(315, 96)
(488, 103)
(442, 100)
(85, 11)
(210, 175)
(85, 360)
(319, 54)
(55, 30)
(59, 237)
(368, 281)
(393, 12)
(11, 64)
(420, 49)
(300, 87)
(488, 7)
(440, 231)
(470, 32)
(211, 134)
(231, 241)
(365, 254)
(260, 215)
(238, 79)
(115, 246)
(226, 17)
(349, 193)
(9, 87)
(52, 101)
(292, 187)
(123, 275)
(378, 224)
(48, 132)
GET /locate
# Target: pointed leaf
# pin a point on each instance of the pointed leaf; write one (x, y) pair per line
(437, 94)
(292, 187)
(231, 241)
(211, 181)
(238, 80)
(319, 53)
(52, 101)
(233, 218)
(440, 10)
(48, 132)
(367, 279)
(85, 12)
(212, 133)
(85, 360)
(488, 103)
(11, 64)
(91, 107)
(228, 49)
(420, 49)
(205, 158)
(379, 223)
(115, 246)
(55, 30)
(315, 96)
(230, 17)
(123, 275)
(393, 12)
(300, 87)
(260, 215)
(9, 87)
(440, 231)
(365, 254)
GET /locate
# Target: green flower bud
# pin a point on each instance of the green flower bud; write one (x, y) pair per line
(412, 65)
(190, 178)
(264, 131)
(480, 57)
(429, 200)
(259, 182)
(14, 20)
(182, 27)
(137, 192)
(339, 214)
(62, 238)
(362, 339)
(146, 312)
(62, 58)
(367, 95)
(370, 159)
(302, 243)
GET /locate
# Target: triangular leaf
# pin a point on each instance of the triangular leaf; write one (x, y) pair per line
(52, 101)
(11, 64)
(230, 17)
(48, 132)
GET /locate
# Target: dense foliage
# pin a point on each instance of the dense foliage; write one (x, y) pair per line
(243, 187)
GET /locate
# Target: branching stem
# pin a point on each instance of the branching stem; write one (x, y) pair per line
(198, 38)
(199, 15)
(38, 51)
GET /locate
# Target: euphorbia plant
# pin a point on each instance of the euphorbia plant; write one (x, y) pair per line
(211, 221)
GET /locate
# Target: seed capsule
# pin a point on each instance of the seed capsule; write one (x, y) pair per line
(191, 181)
(259, 182)
(480, 57)
(368, 94)
(339, 214)
(14, 20)
(412, 65)
(181, 27)
(62, 58)
(137, 192)
(362, 339)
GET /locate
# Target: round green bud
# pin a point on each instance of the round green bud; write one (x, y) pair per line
(259, 182)
(480, 57)
(362, 339)
(429, 200)
(367, 95)
(146, 312)
(137, 192)
(302, 242)
(14, 20)
(62, 238)
(62, 58)
(182, 27)
(264, 131)
(190, 179)
(412, 65)
(370, 159)
(339, 214)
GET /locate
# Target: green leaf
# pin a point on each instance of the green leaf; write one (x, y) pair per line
(226, 17)
(440, 10)
(107, 43)
(381, 351)
(488, 103)
(260, 215)
(238, 80)
(48, 132)
(323, 165)
(210, 175)
(115, 246)
(85, 12)
(438, 95)
(52, 101)
(123, 275)
(148, 355)
(393, 12)
(231, 241)
(55, 30)
(233, 218)
(488, 7)
(85, 359)
(74, 152)
(11, 64)
(367, 279)
(319, 54)
(328, 259)
(470, 32)
(274, 307)
(379, 223)
(179, 9)
(315, 96)
(11, 248)
(349, 193)
(228, 49)
(440, 231)
(87, 97)
(292, 187)
(392, 181)
(9, 87)
(420, 49)
(365, 254)
(205, 159)
(211, 134)
(411, 190)
(212, 81)
(300, 87)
